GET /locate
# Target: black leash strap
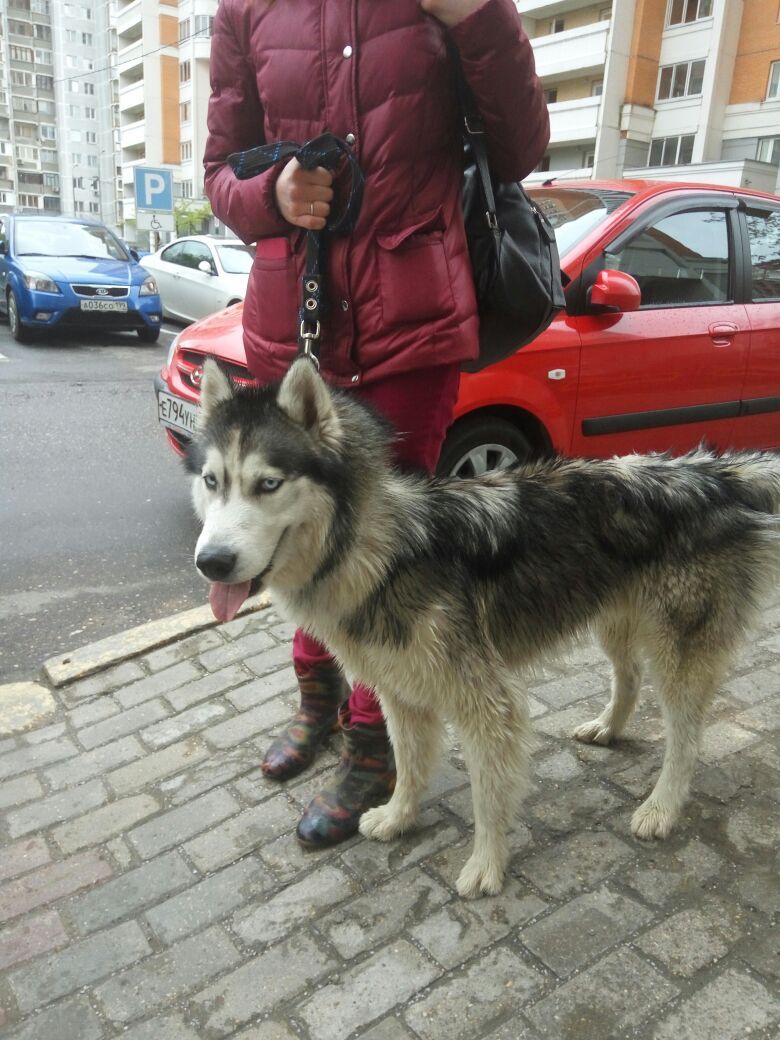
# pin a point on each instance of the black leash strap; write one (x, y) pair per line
(329, 151)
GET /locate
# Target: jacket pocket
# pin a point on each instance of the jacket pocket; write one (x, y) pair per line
(414, 274)
(274, 285)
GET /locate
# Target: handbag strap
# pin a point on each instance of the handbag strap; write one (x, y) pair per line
(474, 135)
(329, 151)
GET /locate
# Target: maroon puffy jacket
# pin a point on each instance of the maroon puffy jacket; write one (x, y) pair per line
(377, 74)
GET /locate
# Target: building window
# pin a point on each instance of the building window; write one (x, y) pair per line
(186, 150)
(557, 25)
(44, 82)
(47, 132)
(89, 88)
(51, 203)
(21, 53)
(204, 25)
(684, 80)
(544, 164)
(184, 30)
(185, 111)
(773, 91)
(550, 95)
(90, 136)
(588, 159)
(184, 72)
(671, 151)
(769, 150)
(29, 201)
(597, 88)
(683, 11)
(605, 13)
(186, 189)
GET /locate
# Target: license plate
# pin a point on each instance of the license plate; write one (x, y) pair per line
(178, 414)
(104, 305)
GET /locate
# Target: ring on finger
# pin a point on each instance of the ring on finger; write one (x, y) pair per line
(311, 208)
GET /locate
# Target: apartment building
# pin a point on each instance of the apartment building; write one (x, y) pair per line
(56, 115)
(163, 89)
(668, 89)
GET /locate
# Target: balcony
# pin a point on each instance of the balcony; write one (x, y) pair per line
(129, 22)
(573, 121)
(132, 98)
(134, 134)
(130, 56)
(201, 48)
(550, 8)
(575, 52)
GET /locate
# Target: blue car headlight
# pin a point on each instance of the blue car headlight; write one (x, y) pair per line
(41, 283)
(149, 287)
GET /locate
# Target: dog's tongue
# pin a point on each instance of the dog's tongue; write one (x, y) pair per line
(226, 600)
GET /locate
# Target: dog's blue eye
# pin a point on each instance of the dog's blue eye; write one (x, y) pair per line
(210, 481)
(270, 484)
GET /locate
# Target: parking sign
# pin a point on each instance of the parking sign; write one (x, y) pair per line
(153, 189)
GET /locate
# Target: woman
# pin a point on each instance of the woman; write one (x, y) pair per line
(403, 315)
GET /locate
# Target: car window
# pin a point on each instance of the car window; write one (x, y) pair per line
(764, 237)
(195, 253)
(66, 238)
(235, 259)
(172, 255)
(3, 233)
(573, 212)
(682, 259)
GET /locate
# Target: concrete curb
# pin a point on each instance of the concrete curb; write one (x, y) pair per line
(77, 664)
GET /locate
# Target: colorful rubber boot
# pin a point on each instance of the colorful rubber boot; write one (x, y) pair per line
(364, 777)
(322, 691)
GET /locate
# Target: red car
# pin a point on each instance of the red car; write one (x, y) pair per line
(671, 334)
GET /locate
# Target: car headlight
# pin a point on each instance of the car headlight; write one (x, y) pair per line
(171, 352)
(149, 287)
(41, 283)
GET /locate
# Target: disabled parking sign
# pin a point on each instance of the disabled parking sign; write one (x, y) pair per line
(153, 198)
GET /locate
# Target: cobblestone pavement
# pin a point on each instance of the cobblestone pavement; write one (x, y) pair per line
(151, 886)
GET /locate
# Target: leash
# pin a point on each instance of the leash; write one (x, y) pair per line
(328, 151)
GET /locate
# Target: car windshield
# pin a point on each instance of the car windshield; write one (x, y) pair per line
(235, 259)
(66, 238)
(574, 212)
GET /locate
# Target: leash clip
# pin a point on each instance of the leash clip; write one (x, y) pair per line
(307, 339)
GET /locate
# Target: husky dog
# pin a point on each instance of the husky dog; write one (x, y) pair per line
(439, 593)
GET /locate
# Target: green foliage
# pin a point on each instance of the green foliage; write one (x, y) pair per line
(191, 216)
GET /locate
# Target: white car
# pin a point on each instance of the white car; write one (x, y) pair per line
(200, 274)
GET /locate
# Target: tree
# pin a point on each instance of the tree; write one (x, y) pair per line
(190, 216)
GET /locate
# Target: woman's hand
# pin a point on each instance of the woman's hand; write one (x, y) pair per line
(304, 196)
(450, 12)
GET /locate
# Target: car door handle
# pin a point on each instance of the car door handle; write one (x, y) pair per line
(722, 332)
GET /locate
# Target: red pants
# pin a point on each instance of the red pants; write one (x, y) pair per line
(420, 406)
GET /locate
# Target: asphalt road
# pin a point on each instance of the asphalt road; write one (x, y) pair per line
(96, 527)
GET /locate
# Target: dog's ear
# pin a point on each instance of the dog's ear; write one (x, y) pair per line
(305, 398)
(214, 388)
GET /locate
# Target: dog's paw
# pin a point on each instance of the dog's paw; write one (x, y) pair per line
(594, 732)
(652, 820)
(380, 824)
(480, 878)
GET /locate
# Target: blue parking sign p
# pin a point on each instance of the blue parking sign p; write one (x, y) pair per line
(153, 189)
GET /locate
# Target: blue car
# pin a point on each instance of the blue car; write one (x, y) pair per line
(71, 272)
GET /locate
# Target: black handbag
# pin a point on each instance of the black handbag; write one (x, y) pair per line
(514, 256)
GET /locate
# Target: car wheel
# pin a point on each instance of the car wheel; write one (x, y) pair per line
(148, 335)
(477, 446)
(18, 331)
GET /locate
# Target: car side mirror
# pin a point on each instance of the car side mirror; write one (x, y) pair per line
(614, 291)
(206, 267)
(3, 248)
(135, 255)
